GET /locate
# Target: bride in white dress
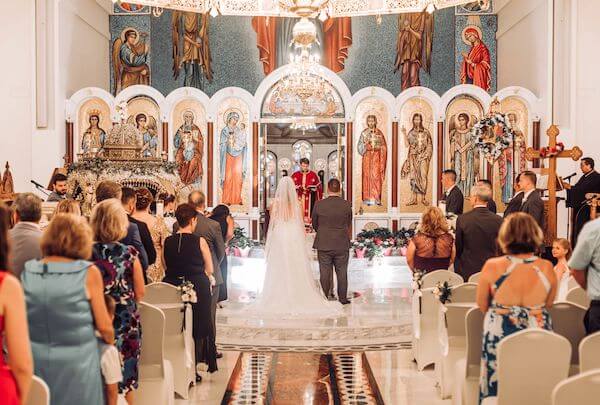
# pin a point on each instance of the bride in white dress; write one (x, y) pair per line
(289, 288)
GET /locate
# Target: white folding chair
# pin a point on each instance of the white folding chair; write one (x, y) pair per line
(39, 393)
(589, 352)
(475, 277)
(426, 345)
(567, 321)
(453, 343)
(156, 385)
(582, 389)
(530, 364)
(572, 283)
(466, 292)
(578, 295)
(439, 276)
(179, 342)
(466, 385)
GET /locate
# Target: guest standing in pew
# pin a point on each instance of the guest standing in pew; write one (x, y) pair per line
(15, 375)
(585, 268)
(452, 195)
(515, 292)
(124, 282)
(65, 306)
(222, 215)
(476, 233)
(25, 236)
(129, 200)
(432, 247)
(514, 205)
(491, 204)
(109, 189)
(532, 201)
(187, 256)
(68, 207)
(211, 231)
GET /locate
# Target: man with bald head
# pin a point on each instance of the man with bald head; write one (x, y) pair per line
(211, 231)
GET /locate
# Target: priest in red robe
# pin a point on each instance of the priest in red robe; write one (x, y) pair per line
(308, 187)
(476, 67)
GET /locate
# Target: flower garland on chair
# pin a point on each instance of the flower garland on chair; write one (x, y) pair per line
(488, 138)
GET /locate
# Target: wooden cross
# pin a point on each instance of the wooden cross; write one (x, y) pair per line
(531, 154)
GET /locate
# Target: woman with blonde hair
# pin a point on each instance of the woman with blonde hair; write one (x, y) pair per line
(16, 373)
(156, 226)
(515, 292)
(432, 248)
(65, 306)
(561, 250)
(123, 282)
(68, 207)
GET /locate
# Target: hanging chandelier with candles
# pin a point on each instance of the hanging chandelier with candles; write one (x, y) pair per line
(299, 8)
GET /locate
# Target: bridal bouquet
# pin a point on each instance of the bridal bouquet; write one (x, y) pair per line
(188, 293)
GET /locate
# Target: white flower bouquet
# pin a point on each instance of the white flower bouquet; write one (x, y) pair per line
(188, 293)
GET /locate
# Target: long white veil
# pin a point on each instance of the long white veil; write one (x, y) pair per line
(286, 208)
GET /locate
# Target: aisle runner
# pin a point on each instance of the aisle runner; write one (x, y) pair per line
(297, 378)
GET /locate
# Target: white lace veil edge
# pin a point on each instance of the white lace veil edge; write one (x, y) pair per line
(285, 207)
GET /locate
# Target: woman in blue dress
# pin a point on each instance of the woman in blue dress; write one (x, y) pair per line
(65, 304)
(124, 282)
(515, 292)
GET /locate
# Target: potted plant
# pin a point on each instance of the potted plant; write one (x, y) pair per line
(402, 237)
(240, 243)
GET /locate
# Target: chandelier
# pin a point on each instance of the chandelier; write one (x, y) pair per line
(300, 8)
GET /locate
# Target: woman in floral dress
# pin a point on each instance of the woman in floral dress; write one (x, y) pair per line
(124, 282)
(515, 292)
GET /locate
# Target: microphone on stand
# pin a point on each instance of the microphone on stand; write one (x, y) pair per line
(569, 176)
(40, 187)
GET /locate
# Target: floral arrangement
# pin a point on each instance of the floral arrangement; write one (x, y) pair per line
(488, 139)
(417, 280)
(188, 293)
(240, 240)
(547, 152)
(138, 168)
(403, 236)
(377, 233)
(442, 292)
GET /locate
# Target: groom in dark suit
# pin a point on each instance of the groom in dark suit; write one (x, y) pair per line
(332, 220)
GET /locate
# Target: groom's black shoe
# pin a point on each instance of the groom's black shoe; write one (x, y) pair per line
(345, 302)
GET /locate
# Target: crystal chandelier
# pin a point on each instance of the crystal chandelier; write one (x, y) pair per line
(301, 8)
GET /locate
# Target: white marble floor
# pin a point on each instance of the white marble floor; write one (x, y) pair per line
(395, 373)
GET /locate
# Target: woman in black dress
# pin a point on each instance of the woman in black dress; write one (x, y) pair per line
(188, 257)
(222, 215)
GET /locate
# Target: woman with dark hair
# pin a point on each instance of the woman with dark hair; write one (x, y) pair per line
(157, 227)
(222, 215)
(15, 375)
(515, 292)
(187, 257)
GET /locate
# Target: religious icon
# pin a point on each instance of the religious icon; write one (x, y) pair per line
(373, 149)
(92, 140)
(130, 59)
(146, 125)
(233, 154)
(413, 51)
(476, 66)
(191, 48)
(512, 159)
(475, 7)
(417, 163)
(464, 155)
(189, 145)
(128, 8)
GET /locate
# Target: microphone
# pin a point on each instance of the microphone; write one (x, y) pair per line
(569, 176)
(38, 185)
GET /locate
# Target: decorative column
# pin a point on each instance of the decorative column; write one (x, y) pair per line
(440, 158)
(165, 138)
(536, 142)
(255, 163)
(68, 143)
(349, 161)
(209, 163)
(395, 165)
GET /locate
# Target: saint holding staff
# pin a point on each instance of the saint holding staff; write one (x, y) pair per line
(416, 165)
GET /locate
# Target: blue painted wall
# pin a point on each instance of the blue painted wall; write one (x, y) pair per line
(370, 62)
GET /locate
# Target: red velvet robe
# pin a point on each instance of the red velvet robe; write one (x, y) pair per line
(309, 189)
(480, 74)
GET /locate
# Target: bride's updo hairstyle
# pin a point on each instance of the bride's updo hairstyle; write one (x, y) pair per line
(184, 214)
(520, 233)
